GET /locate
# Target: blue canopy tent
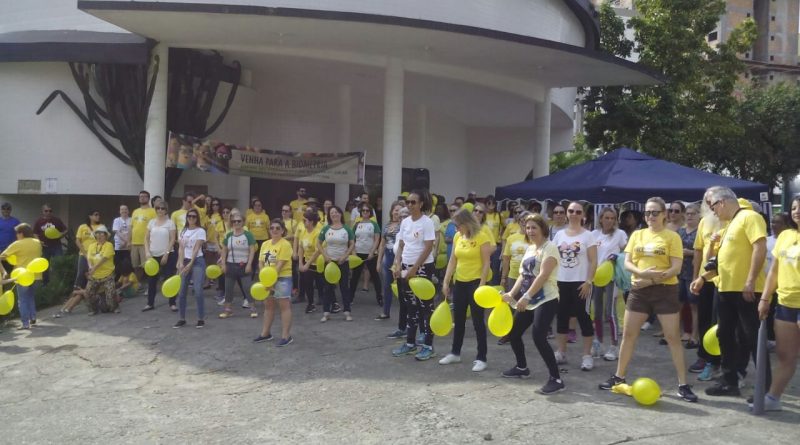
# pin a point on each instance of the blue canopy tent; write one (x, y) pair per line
(626, 175)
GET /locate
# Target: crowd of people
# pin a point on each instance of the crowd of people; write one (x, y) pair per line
(688, 266)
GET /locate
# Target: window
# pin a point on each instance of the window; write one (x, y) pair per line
(771, 58)
(772, 38)
(746, 55)
(712, 37)
(771, 77)
(773, 18)
(748, 15)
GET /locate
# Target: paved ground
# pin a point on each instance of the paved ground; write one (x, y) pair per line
(130, 378)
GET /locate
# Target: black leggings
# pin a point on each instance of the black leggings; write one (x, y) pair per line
(418, 311)
(705, 319)
(462, 297)
(373, 275)
(308, 280)
(541, 318)
(329, 296)
(570, 304)
(164, 272)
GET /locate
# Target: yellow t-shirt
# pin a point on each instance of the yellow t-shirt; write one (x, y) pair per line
(468, 254)
(178, 217)
(308, 240)
(215, 229)
(95, 253)
(511, 229)
(495, 225)
(515, 248)
(258, 223)
(139, 220)
(786, 252)
(203, 215)
(26, 250)
(702, 242)
(298, 208)
(292, 227)
(280, 251)
(86, 234)
(735, 251)
(442, 229)
(488, 232)
(654, 249)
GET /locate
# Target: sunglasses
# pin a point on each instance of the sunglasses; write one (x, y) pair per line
(558, 212)
(649, 213)
(714, 204)
(365, 210)
(575, 212)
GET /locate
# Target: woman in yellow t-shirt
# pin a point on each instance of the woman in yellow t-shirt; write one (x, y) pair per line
(26, 248)
(307, 254)
(654, 257)
(494, 222)
(83, 237)
(784, 277)
(514, 247)
(100, 257)
(277, 252)
(291, 233)
(257, 222)
(469, 264)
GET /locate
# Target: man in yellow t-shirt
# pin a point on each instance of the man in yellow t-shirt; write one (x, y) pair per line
(298, 205)
(139, 220)
(100, 256)
(740, 266)
(26, 248)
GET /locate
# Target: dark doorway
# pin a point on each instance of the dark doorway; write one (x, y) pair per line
(274, 192)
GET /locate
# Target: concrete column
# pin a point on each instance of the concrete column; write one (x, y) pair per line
(155, 142)
(342, 191)
(243, 195)
(541, 124)
(392, 133)
(422, 128)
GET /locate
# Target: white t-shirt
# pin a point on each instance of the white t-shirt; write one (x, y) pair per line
(414, 234)
(609, 244)
(122, 231)
(531, 266)
(574, 266)
(159, 236)
(190, 237)
(365, 232)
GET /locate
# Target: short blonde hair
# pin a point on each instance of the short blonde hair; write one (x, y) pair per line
(466, 218)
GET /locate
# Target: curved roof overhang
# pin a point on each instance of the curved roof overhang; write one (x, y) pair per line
(74, 46)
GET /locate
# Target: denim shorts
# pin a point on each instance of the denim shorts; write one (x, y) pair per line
(784, 313)
(283, 288)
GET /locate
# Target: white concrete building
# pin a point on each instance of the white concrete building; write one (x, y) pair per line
(479, 92)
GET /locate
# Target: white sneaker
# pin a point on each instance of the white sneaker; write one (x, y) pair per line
(587, 363)
(597, 348)
(450, 358)
(246, 305)
(646, 326)
(478, 366)
(611, 354)
(561, 358)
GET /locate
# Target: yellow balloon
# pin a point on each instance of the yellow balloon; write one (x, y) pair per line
(52, 233)
(151, 267)
(332, 273)
(320, 264)
(469, 313)
(441, 320)
(7, 302)
(268, 276)
(603, 274)
(213, 271)
(38, 265)
(469, 206)
(501, 320)
(711, 342)
(171, 286)
(394, 288)
(258, 291)
(16, 272)
(645, 391)
(422, 288)
(26, 278)
(12, 260)
(441, 261)
(487, 297)
(354, 261)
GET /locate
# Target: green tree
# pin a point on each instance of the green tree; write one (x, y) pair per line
(676, 119)
(578, 155)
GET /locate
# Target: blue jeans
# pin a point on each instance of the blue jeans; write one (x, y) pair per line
(26, 301)
(388, 279)
(198, 275)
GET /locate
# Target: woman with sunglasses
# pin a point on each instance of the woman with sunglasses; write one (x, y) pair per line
(83, 237)
(414, 258)
(213, 219)
(559, 220)
(494, 222)
(158, 245)
(386, 260)
(336, 243)
(236, 260)
(538, 304)
(578, 251)
(191, 265)
(688, 233)
(258, 224)
(610, 242)
(675, 216)
(469, 264)
(292, 225)
(276, 252)
(367, 241)
(653, 256)
(307, 255)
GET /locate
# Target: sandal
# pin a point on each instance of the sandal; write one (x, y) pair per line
(226, 314)
(253, 314)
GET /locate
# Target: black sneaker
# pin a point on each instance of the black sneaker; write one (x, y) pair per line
(611, 382)
(685, 392)
(336, 308)
(200, 324)
(515, 372)
(722, 388)
(698, 366)
(263, 338)
(179, 324)
(552, 386)
(310, 308)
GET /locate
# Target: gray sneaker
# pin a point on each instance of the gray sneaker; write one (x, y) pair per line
(425, 353)
(405, 349)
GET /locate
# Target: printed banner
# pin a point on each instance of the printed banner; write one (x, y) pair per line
(189, 153)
